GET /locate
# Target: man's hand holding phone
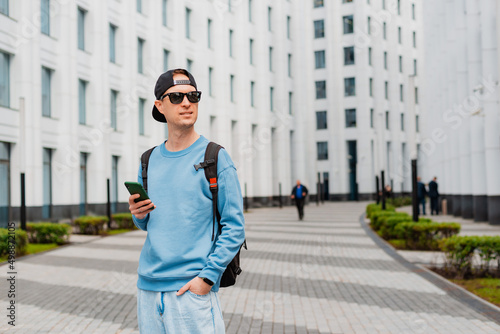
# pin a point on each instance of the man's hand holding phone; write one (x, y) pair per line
(139, 203)
(140, 209)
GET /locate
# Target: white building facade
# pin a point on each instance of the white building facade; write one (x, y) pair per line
(462, 121)
(292, 89)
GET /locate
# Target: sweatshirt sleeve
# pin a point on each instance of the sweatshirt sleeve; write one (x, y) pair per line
(141, 223)
(230, 205)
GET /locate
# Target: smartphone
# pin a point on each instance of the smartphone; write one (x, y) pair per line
(136, 188)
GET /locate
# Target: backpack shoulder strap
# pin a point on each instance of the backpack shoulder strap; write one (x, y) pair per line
(144, 163)
(210, 168)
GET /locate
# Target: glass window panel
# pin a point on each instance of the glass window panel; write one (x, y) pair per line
(350, 118)
(81, 29)
(319, 57)
(114, 95)
(82, 96)
(321, 121)
(46, 92)
(348, 24)
(320, 89)
(319, 29)
(45, 16)
(112, 43)
(350, 86)
(4, 80)
(4, 7)
(349, 55)
(322, 150)
(142, 102)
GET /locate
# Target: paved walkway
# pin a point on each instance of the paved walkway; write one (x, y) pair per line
(327, 274)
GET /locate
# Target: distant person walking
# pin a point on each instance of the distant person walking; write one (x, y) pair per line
(434, 195)
(421, 193)
(299, 193)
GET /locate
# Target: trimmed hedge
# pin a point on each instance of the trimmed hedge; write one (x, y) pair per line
(425, 236)
(372, 208)
(399, 201)
(460, 251)
(378, 218)
(47, 233)
(21, 238)
(123, 220)
(389, 224)
(91, 224)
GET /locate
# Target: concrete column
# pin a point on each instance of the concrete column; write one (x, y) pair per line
(489, 13)
(474, 106)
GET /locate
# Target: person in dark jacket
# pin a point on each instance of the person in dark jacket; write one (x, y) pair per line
(421, 193)
(434, 195)
(299, 193)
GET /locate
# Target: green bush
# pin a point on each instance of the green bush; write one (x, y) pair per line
(372, 208)
(124, 220)
(47, 233)
(389, 224)
(21, 245)
(425, 236)
(460, 250)
(91, 224)
(378, 218)
(399, 201)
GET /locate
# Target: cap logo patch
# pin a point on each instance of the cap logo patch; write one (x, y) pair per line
(182, 82)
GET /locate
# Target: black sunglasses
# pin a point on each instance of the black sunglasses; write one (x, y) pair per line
(177, 97)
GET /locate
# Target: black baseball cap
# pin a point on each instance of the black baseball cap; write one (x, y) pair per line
(164, 82)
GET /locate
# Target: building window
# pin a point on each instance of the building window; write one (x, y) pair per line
(230, 43)
(416, 95)
(349, 86)
(113, 102)
(386, 89)
(112, 43)
(229, 6)
(142, 102)
(387, 120)
(4, 184)
(384, 27)
(350, 118)
(166, 56)
(251, 51)
(369, 26)
(83, 183)
(371, 118)
(413, 11)
(383, 4)
(322, 150)
(414, 39)
(114, 183)
(4, 79)
(401, 64)
(164, 12)
(348, 24)
(82, 104)
(140, 51)
(231, 87)
(139, 6)
(401, 92)
(209, 33)
(319, 57)
(320, 89)
(288, 20)
(400, 38)
(321, 122)
(318, 3)
(252, 94)
(319, 29)
(289, 65)
(45, 17)
(249, 10)
(269, 18)
(370, 56)
(210, 79)
(385, 60)
(188, 23)
(414, 67)
(270, 59)
(370, 87)
(189, 65)
(81, 28)
(417, 125)
(346, 1)
(290, 103)
(402, 122)
(4, 9)
(399, 7)
(349, 55)
(46, 92)
(47, 183)
(271, 98)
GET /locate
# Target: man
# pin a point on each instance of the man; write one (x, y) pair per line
(421, 193)
(181, 264)
(434, 195)
(299, 193)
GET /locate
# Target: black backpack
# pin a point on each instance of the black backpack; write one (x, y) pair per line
(210, 166)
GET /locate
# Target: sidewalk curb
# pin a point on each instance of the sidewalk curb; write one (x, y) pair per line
(455, 291)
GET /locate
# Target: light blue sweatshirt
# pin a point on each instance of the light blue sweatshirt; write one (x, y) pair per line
(179, 242)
